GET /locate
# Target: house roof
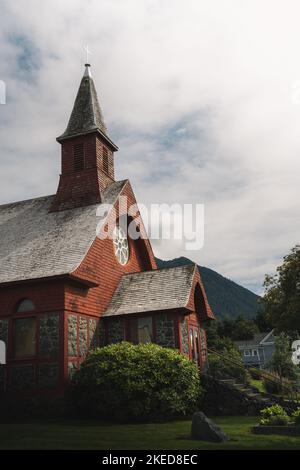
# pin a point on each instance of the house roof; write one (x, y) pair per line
(162, 289)
(87, 114)
(36, 244)
(256, 341)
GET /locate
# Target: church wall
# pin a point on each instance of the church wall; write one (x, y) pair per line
(100, 146)
(101, 265)
(42, 371)
(202, 307)
(165, 330)
(184, 336)
(187, 323)
(78, 188)
(116, 330)
(81, 333)
(46, 296)
(84, 306)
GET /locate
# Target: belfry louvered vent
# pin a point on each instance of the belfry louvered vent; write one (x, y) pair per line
(105, 160)
(78, 152)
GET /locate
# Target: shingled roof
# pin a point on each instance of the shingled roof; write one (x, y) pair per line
(87, 115)
(37, 244)
(257, 340)
(162, 289)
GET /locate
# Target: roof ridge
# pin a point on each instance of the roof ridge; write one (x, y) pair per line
(161, 269)
(22, 201)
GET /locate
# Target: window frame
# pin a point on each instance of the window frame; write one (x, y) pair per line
(15, 320)
(78, 157)
(22, 301)
(134, 336)
(120, 237)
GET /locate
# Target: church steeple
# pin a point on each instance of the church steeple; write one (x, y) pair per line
(87, 151)
(87, 114)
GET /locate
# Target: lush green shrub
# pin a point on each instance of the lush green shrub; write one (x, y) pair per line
(281, 361)
(272, 387)
(135, 382)
(278, 385)
(228, 365)
(274, 416)
(296, 417)
(255, 373)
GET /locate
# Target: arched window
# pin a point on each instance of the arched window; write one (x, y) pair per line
(25, 305)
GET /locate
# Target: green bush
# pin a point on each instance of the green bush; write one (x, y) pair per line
(255, 373)
(228, 365)
(135, 382)
(274, 416)
(296, 417)
(272, 387)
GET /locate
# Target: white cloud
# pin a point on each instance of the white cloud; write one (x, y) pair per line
(201, 97)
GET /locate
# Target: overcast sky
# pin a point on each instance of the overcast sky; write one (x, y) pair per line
(202, 97)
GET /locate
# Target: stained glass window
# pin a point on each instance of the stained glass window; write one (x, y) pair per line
(141, 330)
(24, 337)
(145, 330)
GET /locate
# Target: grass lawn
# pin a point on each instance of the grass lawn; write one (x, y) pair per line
(172, 435)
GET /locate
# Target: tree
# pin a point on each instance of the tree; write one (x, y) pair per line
(281, 361)
(218, 337)
(282, 294)
(226, 327)
(221, 334)
(228, 364)
(262, 322)
(243, 329)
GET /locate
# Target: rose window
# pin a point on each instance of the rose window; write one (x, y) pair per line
(121, 245)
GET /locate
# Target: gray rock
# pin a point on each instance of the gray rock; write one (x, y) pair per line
(204, 429)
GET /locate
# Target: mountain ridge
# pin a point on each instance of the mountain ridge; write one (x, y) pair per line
(226, 297)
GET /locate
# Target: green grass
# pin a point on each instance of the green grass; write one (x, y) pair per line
(172, 435)
(258, 384)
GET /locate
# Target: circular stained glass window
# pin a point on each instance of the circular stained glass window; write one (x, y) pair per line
(121, 245)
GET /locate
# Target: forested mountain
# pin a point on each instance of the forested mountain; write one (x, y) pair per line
(227, 298)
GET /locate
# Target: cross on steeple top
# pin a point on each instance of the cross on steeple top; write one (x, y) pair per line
(88, 52)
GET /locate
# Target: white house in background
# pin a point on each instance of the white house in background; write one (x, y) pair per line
(258, 351)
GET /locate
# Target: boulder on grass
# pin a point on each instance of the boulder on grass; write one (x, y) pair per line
(204, 429)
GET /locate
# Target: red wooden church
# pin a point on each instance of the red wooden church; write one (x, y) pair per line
(64, 290)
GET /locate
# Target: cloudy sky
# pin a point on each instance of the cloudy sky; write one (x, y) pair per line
(202, 97)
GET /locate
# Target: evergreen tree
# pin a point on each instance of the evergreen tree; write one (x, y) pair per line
(282, 294)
